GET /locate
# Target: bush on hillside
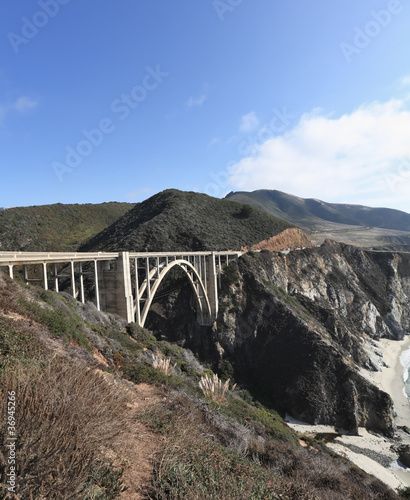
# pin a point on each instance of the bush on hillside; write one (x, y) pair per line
(63, 415)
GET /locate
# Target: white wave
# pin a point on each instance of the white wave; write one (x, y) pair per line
(405, 363)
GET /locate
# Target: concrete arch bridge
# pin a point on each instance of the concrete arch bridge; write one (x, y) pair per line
(125, 283)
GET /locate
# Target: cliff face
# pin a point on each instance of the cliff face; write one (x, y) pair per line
(303, 323)
(297, 329)
(357, 292)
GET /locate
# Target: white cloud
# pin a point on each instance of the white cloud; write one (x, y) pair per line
(404, 81)
(21, 105)
(192, 102)
(249, 123)
(24, 103)
(356, 157)
(214, 141)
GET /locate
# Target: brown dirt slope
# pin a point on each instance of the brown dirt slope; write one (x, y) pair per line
(289, 238)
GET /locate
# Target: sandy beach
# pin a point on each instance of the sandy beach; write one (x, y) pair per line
(372, 452)
(390, 379)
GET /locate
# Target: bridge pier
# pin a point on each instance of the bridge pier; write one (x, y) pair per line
(211, 286)
(116, 288)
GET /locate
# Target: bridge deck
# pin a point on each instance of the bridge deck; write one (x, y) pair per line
(22, 258)
(128, 287)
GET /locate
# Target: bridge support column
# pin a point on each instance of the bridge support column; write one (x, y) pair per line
(125, 301)
(117, 288)
(97, 285)
(212, 286)
(72, 274)
(56, 287)
(45, 279)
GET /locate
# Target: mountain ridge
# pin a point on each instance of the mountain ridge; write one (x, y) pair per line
(57, 227)
(306, 211)
(176, 220)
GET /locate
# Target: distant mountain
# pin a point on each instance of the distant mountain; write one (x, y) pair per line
(310, 214)
(177, 221)
(55, 227)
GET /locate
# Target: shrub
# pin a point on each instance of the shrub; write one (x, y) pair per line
(60, 321)
(404, 492)
(64, 414)
(144, 372)
(230, 275)
(196, 467)
(18, 342)
(104, 482)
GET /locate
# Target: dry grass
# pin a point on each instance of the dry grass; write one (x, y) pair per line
(214, 388)
(203, 458)
(64, 414)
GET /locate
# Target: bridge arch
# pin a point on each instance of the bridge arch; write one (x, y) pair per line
(204, 311)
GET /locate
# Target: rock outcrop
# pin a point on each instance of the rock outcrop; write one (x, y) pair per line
(297, 329)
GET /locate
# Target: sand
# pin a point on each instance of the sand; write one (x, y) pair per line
(390, 379)
(372, 452)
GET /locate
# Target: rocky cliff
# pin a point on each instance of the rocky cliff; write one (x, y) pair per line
(297, 329)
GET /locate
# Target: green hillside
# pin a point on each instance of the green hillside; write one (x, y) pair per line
(377, 228)
(176, 221)
(312, 214)
(55, 227)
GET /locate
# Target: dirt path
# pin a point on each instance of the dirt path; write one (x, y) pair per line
(135, 450)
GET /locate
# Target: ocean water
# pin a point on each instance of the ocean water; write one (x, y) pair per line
(405, 362)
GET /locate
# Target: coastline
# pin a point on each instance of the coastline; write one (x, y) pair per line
(390, 378)
(367, 445)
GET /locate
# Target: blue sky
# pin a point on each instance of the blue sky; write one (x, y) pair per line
(104, 100)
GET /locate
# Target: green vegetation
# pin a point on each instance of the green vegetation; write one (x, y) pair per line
(315, 214)
(176, 220)
(199, 468)
(145, 372)
(48, 313)
(404, 492)
(56, 227)
(271, 422)
(104, 482)
(17, 344)
(230, 275)
(77, 414)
